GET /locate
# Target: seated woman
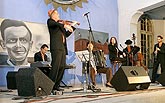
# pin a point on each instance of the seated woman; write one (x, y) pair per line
(97, 69)
(114, 53)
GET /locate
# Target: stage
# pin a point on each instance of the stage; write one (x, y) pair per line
(154, 94)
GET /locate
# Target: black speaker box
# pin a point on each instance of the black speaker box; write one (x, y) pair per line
(161, 79)
(33, 82)
(129, 78)
(11, 80)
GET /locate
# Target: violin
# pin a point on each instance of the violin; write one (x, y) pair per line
(67, 22)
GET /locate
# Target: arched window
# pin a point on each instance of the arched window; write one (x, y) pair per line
(146, 33)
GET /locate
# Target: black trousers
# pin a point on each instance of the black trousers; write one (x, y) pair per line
(58, 66)
(155, 69)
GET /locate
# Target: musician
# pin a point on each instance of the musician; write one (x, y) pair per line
(41, 56)
(58, 46)
(114, 52)
(112, 47)
(97, 69)
(127, 52)
(159, 57)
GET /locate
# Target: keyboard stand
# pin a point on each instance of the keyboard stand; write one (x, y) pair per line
(64, 84)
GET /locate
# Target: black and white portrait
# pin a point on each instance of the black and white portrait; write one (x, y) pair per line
(20, 40)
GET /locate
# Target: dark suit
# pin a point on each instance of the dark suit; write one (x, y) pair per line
(38, 57)
(158, 59)
(58, 50)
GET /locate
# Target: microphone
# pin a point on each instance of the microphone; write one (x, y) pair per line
(99, 41)
(79, 34)
(121, 46)
(86, 14)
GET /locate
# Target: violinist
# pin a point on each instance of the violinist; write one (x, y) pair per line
(58, 32)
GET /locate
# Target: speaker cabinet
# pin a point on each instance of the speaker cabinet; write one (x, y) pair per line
(11, 80)
(33, 82)
(161, 79)
(129, 78)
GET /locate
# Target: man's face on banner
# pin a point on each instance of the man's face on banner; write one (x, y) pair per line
(17, 42)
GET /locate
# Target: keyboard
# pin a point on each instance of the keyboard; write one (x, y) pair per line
(40, 64)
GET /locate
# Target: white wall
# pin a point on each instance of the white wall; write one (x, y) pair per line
(127, 8)
(159, 29)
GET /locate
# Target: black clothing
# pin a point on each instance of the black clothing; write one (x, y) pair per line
(58, 49)
(112, 52)
(38, 57)
(158, 59)
(128, 42)
(56, 31)
(128, 56)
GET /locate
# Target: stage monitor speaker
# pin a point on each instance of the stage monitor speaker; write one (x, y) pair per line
(11, 80)
(33, 82)
(129, 78)
(161, 79)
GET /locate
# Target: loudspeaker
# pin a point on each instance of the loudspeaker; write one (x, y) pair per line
(33, 82)
(161, 79)
(11, 80)
(129, 78)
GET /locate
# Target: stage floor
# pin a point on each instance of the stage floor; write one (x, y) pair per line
(154, 94)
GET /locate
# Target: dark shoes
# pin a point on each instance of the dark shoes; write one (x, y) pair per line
(107, 85)
(95, 89)
(155, 82)
(55, 92)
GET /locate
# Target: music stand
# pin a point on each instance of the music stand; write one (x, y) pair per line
(83, 56)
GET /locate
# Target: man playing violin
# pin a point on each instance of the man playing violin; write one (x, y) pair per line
(58, 46)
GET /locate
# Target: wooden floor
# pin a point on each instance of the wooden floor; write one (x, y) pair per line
(154, 94)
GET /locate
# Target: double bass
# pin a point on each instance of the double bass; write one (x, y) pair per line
(138, 58)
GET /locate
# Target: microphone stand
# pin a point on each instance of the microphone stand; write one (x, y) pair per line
(90, 87)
